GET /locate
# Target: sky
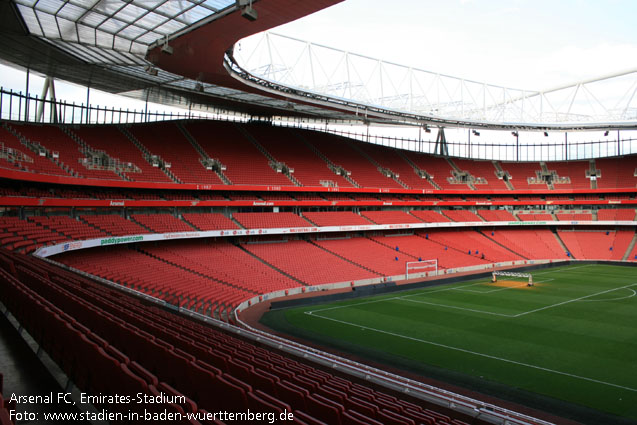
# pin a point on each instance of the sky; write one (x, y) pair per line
(527, 44)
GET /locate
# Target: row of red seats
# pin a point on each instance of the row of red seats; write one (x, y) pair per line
(213, 370)
(5, 406)
(598, 244)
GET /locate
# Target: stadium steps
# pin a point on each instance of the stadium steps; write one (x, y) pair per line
(346, 259)
(141, 224)
(418, 170)
(379, 167)
(503, 246)
(271, 160)
(500, 170)
(36, 147)
(562, 244)
(631, 246)
(88, 149)
(457, 169)
(201, 151)
(95, 227)
(593, 169)
(273, 267)
(329, 163)
(146, 152)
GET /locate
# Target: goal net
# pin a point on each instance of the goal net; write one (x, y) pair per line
(512, 277)
(421, 268)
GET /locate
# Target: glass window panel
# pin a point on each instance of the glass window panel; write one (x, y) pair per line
(131, 13)
(87, 34)
(93, 19)
(104, 40)
(30, 20)
(149, 37)
(26, 2)
(151, 20)
(195, 15)
(131, 32)
(112, 25)
(71, 12)
(173, 9)
(49, 25)
(218, 4)
(67, 30)
(48, 6)
(170, 27)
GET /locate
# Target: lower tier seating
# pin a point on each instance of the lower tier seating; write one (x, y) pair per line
(111, 343)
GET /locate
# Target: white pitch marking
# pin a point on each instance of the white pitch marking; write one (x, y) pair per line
(613, 299)
(480, 354)
(573, 300)
(459, 308)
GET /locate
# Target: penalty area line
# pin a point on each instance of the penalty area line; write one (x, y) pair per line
(488, 356)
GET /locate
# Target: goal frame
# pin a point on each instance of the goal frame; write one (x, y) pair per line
(496, 273)
(409, 265)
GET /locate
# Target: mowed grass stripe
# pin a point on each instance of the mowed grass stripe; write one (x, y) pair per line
(545, 339)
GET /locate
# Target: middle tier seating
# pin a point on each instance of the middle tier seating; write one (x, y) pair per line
(389, 217)
(162, 223)
(497, 215)
(336, 218)
(209, 221)
(461, 215)
(269, 220)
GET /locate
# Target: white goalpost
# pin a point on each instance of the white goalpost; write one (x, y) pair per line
(422, 268)
(528, 277)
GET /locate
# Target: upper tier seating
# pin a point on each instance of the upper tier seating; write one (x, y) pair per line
(308, 263)
(115, 225)
(54, 139)
(438, 168)
(166, 140)
(287, 146)
(575, 170)
(520, 173)
(209, 221)
(617, 172)
(393, 160)
(484, 169)
(112, 141)
(336, 218)
(616, 214)
(270, 220)
(26, 159)
(342, 153)
(244, 163)
(111, 343)
(162, 223)
(461, 215)
(597, 244)
(496, 215)
(430, 216)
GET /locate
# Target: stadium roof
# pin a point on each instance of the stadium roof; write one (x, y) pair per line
(180, 52)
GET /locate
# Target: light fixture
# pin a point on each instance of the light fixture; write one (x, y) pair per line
(546, 134)
(514, 133)
(247, 11)
(150, 70)
(606, 133)
(475, 133)
(199, 87)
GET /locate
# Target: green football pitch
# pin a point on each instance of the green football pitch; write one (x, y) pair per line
(572, 337)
